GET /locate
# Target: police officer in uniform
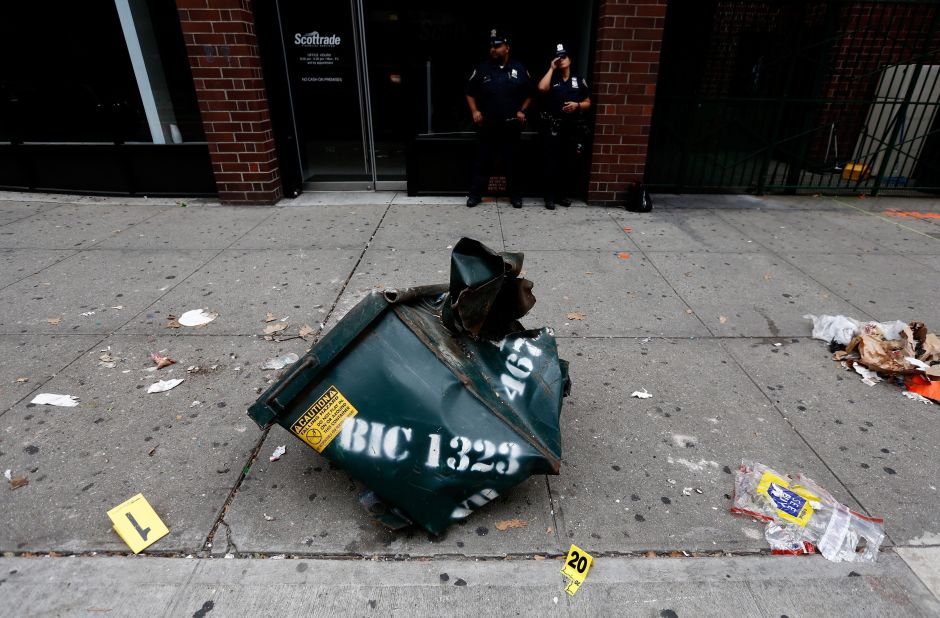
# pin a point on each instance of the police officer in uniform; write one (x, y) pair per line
(499, 95)
(567, 99)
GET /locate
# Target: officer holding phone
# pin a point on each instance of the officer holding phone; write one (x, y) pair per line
(567, 101)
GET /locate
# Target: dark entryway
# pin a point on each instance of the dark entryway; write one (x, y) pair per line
(377, 87)
(797, 96)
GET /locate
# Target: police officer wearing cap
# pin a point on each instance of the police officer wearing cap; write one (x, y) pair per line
(567, 100)
(499, 95)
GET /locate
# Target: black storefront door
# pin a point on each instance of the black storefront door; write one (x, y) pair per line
(376, 87)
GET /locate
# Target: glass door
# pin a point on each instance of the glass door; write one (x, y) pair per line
(324, 51)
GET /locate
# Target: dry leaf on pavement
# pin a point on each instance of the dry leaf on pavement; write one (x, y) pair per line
(515, 522)
(269, 317)
(271, 329)
(173, 322)
(575, 315)
(306, 331)
(161, 361)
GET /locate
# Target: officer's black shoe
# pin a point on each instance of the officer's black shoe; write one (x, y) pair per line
(563, 201)
(549, 204)
(516, 202)
(473, 201)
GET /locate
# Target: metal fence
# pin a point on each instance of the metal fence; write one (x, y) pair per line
(797, 96)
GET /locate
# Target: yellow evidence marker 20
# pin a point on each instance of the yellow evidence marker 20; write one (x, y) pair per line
(137, 523)
(577, 564)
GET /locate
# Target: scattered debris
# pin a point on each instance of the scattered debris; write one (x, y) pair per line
(868, 377)
(195, 404)
(88, 313)
(641, 394)
(118, 307)
(804, 513)
(152, 451)
(722, 319)
(197, 317)
(278, 453)
(306, 332)
(923, 386)
(623, 255)
(161, 361)
(54, 321)
(164, 385)
(268, 517)
(17, 481)
(917, 397)
(911, 214)
(22, 380)
(575, 315)
(280, 362)
(269, 317)
(506, 524)
(895, 349)
(50, 399)
(173, 322)
(686, 491)
(271, 329)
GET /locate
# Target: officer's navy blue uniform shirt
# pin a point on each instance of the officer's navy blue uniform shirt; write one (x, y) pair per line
(499, 90)
(561, 92)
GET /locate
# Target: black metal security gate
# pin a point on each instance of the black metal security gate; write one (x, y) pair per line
(798, 96)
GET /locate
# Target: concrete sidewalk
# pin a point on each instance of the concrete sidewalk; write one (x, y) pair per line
(687, 301)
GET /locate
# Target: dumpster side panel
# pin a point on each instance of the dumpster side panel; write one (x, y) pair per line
(402, 423)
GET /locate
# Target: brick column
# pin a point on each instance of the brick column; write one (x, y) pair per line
(223, 53)
(626, 65)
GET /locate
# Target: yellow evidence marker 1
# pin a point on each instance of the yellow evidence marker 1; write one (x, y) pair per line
(137, 523)
(577, 564)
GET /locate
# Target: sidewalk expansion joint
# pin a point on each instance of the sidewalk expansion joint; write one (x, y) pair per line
(378, 557)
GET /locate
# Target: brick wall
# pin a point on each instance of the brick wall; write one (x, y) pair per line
(223, 53)
(626, 66)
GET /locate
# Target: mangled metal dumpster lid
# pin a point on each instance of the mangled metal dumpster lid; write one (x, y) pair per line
(434, 397)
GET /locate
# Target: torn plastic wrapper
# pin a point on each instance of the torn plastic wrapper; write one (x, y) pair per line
(435, 398)
(803, 512)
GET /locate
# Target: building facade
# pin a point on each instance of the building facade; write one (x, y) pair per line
(258, 100)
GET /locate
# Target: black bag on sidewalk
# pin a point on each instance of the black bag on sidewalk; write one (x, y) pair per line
(638, 198)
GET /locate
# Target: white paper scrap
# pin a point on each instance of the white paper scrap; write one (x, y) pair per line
(50, 399)
(197, 317)
(641, 394)
(917, 363)
(869, 377)
(278, 452)
(917, 397)
(164, 385)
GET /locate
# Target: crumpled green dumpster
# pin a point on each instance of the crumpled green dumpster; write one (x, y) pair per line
(435, 398)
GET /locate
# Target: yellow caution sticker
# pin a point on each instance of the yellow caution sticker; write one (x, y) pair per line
(137, 523)
(577, 564)
(323, 420)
